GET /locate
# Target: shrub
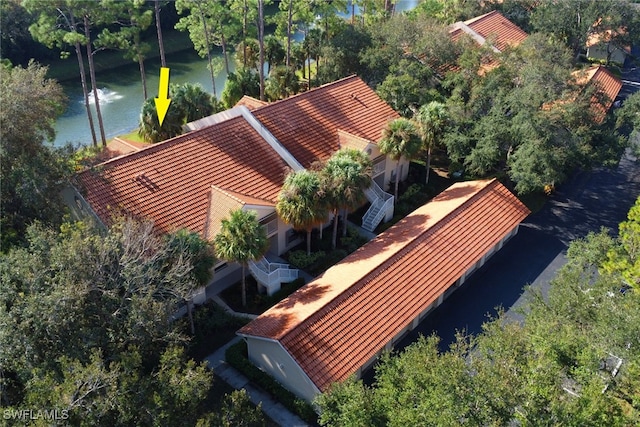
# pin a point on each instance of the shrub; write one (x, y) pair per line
(300, 259)
(288, 288)
(410, 194)
(236, 356)
(214, 327)
(353, 240)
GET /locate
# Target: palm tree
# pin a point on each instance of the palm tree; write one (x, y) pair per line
(241, 239)
(345, 177)
(300, 202)
(282, 83)
(194, 102)
(243, 82)
(150, 129)
(399, 139)
(431, 119)
(201, 258)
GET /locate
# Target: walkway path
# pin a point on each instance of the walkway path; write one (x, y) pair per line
(273, 409)
(216, 361)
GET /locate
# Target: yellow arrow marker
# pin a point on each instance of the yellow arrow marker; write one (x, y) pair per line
(163, 100)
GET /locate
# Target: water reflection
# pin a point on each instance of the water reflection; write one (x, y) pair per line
(120, 94)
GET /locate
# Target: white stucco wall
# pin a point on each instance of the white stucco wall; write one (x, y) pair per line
(600, 52)
(272, 358)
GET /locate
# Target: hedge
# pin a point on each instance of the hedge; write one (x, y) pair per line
(237, 356)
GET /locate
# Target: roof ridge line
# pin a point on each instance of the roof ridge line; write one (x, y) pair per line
(226, 193)
(393, 257)
(232, 193)
(310, 91)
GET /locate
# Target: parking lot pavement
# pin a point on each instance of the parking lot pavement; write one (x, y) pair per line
(589, 201)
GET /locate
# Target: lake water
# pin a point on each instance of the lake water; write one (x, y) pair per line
(121, 99)
(121, 89)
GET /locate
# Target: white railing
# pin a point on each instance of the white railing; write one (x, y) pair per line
(379, 167)
(381, 206)
(271, 227)
(272, 274)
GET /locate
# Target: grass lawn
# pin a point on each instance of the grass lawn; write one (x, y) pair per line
(133, 136)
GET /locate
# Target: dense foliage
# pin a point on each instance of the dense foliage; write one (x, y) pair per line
(575, 360)
(189, 102)
(32, 172)
(85, 325)
(241, 239)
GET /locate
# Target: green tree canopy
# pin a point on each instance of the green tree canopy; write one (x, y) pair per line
(574, 360)
(243, 82)
(345, 176)
(189, 102)
(400, 139)
(527, 117)
(241, 239)
(432, 119)
(32, 172)
(300, 202)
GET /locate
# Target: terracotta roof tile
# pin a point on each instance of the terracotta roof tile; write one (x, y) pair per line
(170, 182)
(607, 88)
(221, 204)
(347, 140)
(495, 26)
(250, 102)
(306, 124)
(335, 324)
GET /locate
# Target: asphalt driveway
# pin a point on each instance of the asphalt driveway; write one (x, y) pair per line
(587, 202)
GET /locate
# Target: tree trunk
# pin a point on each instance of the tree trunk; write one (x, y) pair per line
(159, 30)
(309, 242)
(334, 238)
(143, 76)
(428, 164)
(206, 40)
(245, 11)
(92, 75)
(289, 25)
(85, 93)
(344, 224)
(364, 11)
(225, 56)
(261, 43)
(244, 287)
(395, 200)
(353, 12)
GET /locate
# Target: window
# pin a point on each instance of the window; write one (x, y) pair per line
(292, 235)
(379, 166)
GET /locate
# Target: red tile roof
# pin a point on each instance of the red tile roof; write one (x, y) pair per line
(335, 324)
(221, 203)
(250, 102)
(607, 88)
(170, 182)
(307, 123)
(494, 26)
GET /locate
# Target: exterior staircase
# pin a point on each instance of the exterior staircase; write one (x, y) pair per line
(271, 275)
(381, 207)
